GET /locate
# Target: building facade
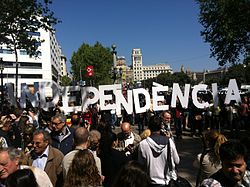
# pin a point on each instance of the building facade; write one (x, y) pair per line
(154, 70)
(47, 67)
(141, 72)
(137, 65)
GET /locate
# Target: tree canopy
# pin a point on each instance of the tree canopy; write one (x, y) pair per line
(66, 81)
(167, 79)
(20, 18)
(238, 71)
(227, 28)
(19, 21)
(97, 56)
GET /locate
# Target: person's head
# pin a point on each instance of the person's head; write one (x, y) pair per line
(21, 178)
(5, 123)
(233, 157)
(155, 124)
(28, 131)
(58, 122)
(9, 161)
(41, 140)
(81, 136)
(23, 120)
(213, 140)
(245, 99)
(146, 133)
(83, 170)
(132, 174)
(94, 139)
(126, 130)
(75, 119)
(166, 116)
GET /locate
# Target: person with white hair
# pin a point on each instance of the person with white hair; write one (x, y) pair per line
(10, 159)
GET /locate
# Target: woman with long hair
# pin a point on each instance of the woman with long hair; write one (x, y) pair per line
(209, 162)
(83, 171)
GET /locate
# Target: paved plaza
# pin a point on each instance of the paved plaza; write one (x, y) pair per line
(188, 148)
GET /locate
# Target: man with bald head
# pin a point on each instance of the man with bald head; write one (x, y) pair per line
(81, 136)
(81, 142)
(127, 139)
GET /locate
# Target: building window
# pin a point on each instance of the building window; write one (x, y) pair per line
(30, 65)
(31, 76)
(34, 33)
(23, 52)
(6, 51)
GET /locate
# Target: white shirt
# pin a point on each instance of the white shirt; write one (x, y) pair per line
(41, 161)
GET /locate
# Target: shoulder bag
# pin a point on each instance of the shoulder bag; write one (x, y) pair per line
(180, 181)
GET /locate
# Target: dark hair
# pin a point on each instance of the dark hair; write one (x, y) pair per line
(21, 178)
(155, 123)
(232, 150)
(132, 174)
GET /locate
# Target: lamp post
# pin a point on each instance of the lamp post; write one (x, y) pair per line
(114, 55)
(2, 90)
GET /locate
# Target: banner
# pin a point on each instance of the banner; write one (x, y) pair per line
(89, 71)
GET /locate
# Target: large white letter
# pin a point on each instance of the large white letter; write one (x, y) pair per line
(66, 99)
(10, 93)
(233, 92)
(86, 100)
(215, 94)
(157, 98)
(55, 94)
(144, 92)
(26, 94)
(177, 93)
(103, 97)
(194, 96)
(128, 106)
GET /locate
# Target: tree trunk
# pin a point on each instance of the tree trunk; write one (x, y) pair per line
(16, 77)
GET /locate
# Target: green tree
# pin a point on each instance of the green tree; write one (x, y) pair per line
(168, 79)
(181, 78)
(247, 70)
(66, 81)
(97, 56)
(165, 79)
(226, 27)
(20, 18)
(213, 80)
(238, 72)
(148, 83)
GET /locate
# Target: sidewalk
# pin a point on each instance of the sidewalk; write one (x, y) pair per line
(188, 148)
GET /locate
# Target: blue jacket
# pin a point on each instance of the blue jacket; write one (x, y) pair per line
(66, 144)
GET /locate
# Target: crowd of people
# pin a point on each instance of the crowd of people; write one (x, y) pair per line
(98, 148)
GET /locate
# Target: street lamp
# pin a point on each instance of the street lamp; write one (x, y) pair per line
(114, 55)
(2, 90)
(116, 73)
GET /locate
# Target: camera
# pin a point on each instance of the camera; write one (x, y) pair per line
(86, 123)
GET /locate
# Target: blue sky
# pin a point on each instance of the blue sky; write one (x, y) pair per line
(167, 31)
